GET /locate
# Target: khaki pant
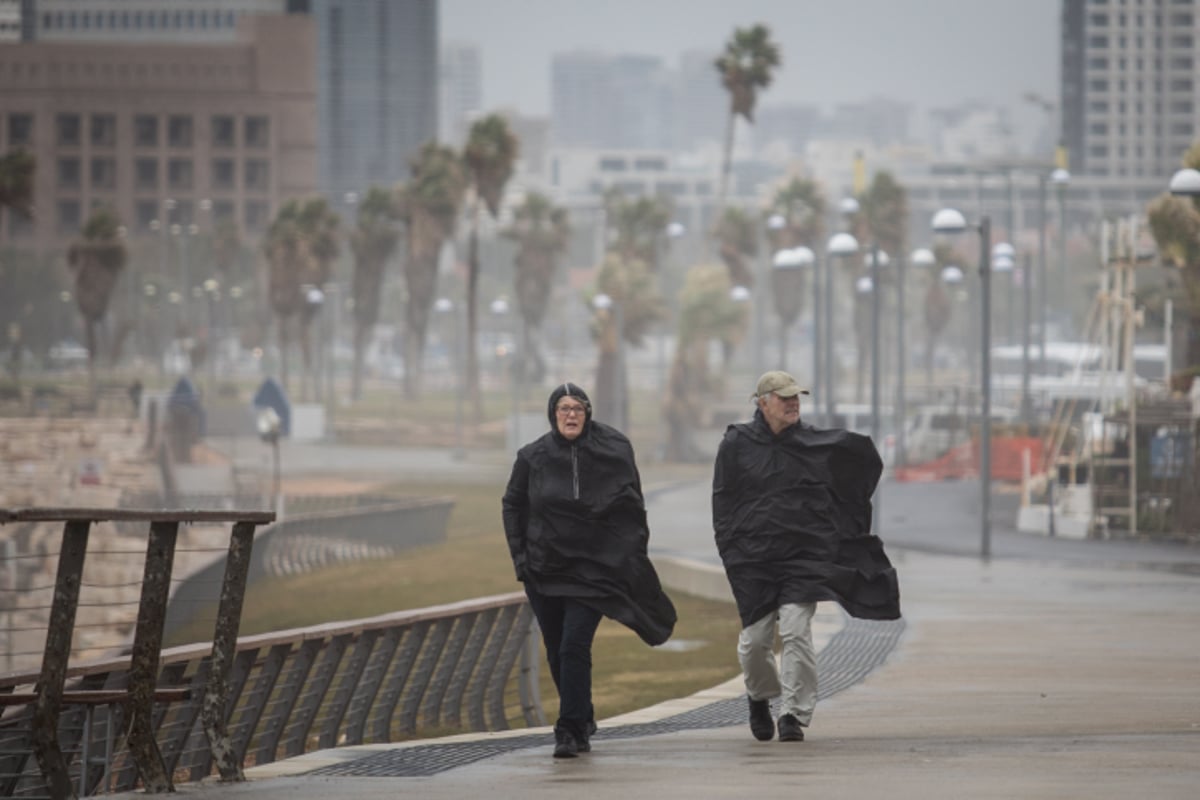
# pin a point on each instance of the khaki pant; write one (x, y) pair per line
(795, 682)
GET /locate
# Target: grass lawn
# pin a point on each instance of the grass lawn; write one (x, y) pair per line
(474, 562)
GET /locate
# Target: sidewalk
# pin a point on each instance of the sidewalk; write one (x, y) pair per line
(1020, 678)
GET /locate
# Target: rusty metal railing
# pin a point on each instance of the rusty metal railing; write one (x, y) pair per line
(33, 720)
(465, 665)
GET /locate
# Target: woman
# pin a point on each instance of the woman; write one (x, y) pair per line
(576, 526)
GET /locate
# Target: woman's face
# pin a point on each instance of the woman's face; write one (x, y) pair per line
(569, 416)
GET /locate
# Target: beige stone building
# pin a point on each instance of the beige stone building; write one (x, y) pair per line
(169, 135)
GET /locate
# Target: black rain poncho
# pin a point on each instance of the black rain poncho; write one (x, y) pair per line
(575, 520)
(792, 517)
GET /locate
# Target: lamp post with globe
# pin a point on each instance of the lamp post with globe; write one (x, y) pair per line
(951, 222)
(840, 247)
(787, 286)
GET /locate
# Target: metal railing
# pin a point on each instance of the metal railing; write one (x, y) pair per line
(155, 718)
(34, 722)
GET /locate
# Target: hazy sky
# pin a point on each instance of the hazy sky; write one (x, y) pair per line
(929, 52)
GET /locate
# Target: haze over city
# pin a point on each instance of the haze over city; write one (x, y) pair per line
(931, 53)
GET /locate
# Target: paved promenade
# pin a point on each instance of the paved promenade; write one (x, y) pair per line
(1057, 670)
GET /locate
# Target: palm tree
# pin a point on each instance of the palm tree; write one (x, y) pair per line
(632, 287)
(301, 246)
(97, 259)
(707, 314)
(1175, 225)
(637, 226)
(542, 233)
(16, 181)
(490, 156)
(429, 206)
(373, 241)
(746, 66)
(736, 233)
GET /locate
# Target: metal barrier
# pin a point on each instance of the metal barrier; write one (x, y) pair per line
(36, 723)
(160, 717)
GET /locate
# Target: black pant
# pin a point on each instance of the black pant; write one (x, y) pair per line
(568, 628)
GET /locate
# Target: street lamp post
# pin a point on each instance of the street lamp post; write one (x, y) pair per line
(787, 278)
(499, 308)
(1041, 273)
(839, 245)
(674, 232)
(1026, 298)
(1004, 260)
(603, 302)
(445, 305)
(877, 259)
(775, 222)
(921, 257)
(951, 221)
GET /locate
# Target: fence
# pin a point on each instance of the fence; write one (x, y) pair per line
(154, 718)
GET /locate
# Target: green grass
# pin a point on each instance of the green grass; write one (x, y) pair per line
(474, 562)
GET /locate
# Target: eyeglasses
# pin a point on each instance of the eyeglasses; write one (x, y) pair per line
(570, 411)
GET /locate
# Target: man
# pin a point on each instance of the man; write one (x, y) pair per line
(792, 517)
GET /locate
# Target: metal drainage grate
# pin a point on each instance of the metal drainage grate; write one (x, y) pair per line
(852, 653)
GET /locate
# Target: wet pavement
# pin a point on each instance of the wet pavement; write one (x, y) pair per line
(1056, 669)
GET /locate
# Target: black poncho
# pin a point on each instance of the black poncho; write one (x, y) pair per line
(575, 520)
(792, 516)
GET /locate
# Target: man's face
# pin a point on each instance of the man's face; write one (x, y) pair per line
(569, 416)
(780, 412)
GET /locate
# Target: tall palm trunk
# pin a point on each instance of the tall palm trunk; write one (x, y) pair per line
(727, 161)
(361, 332)
(89, 332)
(474, 392)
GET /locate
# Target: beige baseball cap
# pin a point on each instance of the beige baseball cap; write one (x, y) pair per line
(780, 383)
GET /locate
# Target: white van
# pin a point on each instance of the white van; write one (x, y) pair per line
(934, 430)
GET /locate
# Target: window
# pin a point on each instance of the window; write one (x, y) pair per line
(145, 173)
(1098, 106)
(650, 164)
(70, 216)
(1181, 107)
(104, 130)
(258, 174)
(1098, 42)
(222, 173)
(1097, 63)
(145, 212)
(222, 211)
(256, 215)
(1099, 128)
(179, 130)
(68, 173)
(68, 126)
(1181, 128)
(20, 129)
(179, 173)
(223, 131)
(1098, 20)
(257, 132)
(1098, 85)
(145, 131)
(612, 165)
(1181, 84)
(104, 173)
(1098, 151)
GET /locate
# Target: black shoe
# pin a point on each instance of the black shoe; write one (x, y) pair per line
(790, 730)
(761, 724)
(565, 744)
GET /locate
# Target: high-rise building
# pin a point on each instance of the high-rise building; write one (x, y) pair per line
(1129, 85)
(377, 84)
(702, 105)
(166, 136)
(461, 90)
(598, 100)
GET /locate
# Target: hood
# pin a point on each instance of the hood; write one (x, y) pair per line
(561, 391)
